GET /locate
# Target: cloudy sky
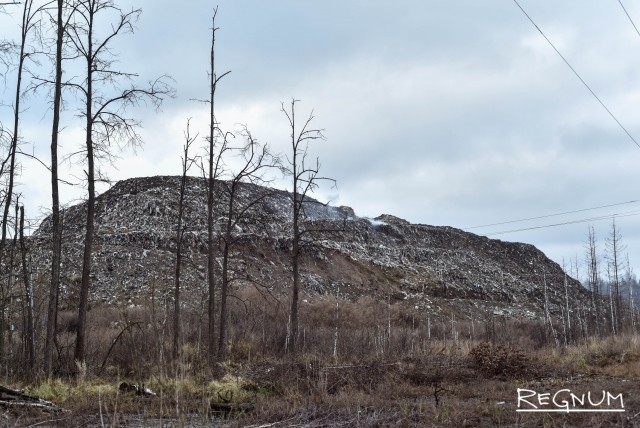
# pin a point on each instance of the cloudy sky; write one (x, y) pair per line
(454, 113)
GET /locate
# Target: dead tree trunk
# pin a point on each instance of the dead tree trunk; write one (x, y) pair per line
(26, 25)
(91, 201)
(105, 125)
(630, 283)
(211, 258)
(214, 171)
(186, 163)
(614, 248)
(56, 239)
(224, 289)
(547, 313)
(305, 180)
(28, 293)
(594, 278)
(569, 335)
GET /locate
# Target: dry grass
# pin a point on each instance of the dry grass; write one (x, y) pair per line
(446, 387)
(421, 371)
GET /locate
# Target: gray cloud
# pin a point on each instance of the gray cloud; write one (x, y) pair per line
(451, 113)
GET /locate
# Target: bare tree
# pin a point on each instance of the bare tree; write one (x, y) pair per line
(612, 310)
(28, 24)
(593, 272)
(255, 160)
(217, 141)
(7, 294)
(630, 282)
(25, 26)
(566, 319)
(305, 180)
(28, 300)
(187, 162)
(56, 239)
(614, 247)
(103, 112)
(547, 313)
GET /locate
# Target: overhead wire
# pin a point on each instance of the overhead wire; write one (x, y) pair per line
(578, 75)
(629, 16)
(551, 215)
(604, 217)
(584, 220)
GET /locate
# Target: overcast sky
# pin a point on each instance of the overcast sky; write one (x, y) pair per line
(454, 113)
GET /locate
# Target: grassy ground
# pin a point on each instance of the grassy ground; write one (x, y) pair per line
(450, 385)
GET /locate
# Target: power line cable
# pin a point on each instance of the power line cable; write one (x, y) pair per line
(552, 215)
(584, 220)
(578, 75)
(629, 16)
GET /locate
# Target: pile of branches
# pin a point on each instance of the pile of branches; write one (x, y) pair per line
(12, 398)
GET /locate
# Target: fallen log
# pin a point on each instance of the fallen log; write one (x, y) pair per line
(13, 398)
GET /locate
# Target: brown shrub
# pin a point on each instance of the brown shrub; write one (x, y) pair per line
(501, 360)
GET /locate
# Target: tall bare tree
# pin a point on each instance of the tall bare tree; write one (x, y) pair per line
(217, 145)
(28, 24)
(614, 248)
(187, 162)
(103, 111)
(255, 159)
(630, 283)
(8, 294)
(305, 179)
(593, 272)
(567, 318)
(28, 300)
(56, 239)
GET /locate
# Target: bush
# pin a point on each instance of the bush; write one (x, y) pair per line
(501, 360)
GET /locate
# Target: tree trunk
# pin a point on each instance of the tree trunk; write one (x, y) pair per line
(79, 355)
(615, 249)
(547, 314)
(295, 250)
(177, 329)
(224, 290)
(56, 240)
(568, 310)
(16, 120)
(176, 293)
(295, 291)
(594, 279)
(12, 272)
(29, 329)
(12, 154)
(210, 188)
